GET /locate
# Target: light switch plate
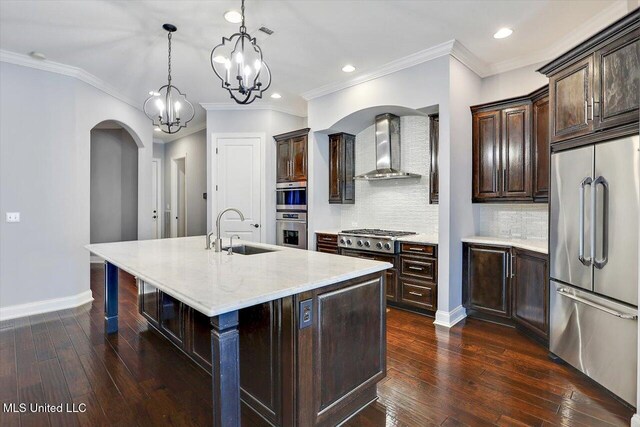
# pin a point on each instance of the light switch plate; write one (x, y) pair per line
(13, 216)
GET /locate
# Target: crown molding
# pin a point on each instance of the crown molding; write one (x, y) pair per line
(434, 52)
(66, 70)
(184, 132)
(225, 106)
(465, 56)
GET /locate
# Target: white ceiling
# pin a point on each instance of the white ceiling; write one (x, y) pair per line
(122, 42)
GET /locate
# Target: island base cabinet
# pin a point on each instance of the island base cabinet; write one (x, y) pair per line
(292, 371)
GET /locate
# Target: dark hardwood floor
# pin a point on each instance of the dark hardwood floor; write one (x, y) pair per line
(474, 374)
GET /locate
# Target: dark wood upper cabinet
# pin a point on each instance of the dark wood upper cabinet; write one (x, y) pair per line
(530, 285)
(595, 86)
(540, 134)
(284, 160)
(434, 139)
(291, 157)
(507, 143)
(486, 286)
(516, 152)
(299, 159)
(571, 92)
(617, 82)
(342, 168)
(486, 155)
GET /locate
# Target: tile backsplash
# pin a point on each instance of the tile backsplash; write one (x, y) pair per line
(520, 221)
(398, 204)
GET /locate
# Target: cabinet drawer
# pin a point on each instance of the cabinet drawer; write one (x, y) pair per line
(418, 248)
(423, 295)
(327, 249)
(421, 268)
(327, 238)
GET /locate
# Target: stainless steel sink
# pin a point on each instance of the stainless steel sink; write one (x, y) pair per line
(247, 250)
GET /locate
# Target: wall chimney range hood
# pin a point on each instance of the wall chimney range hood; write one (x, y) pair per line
(387, 150)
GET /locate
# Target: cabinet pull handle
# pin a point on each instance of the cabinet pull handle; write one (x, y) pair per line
(586, 109)
(513, 271)
(495, 180)
(411, 267)
(415, 293)
(416, 249)
(504, 179)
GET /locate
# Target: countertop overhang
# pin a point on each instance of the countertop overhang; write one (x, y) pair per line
(215, 283)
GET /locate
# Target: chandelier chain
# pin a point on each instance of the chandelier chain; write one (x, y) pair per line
(169, 68)
(243, 29)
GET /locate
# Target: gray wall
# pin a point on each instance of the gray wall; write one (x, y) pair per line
(45, 175)
(114, 186)
(194, 146)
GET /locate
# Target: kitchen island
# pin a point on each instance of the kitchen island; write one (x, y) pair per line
(290, 337)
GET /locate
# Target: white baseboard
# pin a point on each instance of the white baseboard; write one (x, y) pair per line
(45, 306)
(95, 259)
(635, 420)
(450, 318)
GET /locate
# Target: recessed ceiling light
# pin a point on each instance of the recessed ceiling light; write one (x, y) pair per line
(37, 55)
(233, 16)
(276, 96)
(503, 33)
(220, 59)
(348, 68)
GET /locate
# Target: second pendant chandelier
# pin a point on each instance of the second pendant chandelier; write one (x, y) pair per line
(239, 65)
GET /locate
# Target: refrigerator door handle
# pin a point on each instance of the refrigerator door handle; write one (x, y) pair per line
(565, 293)
(586, 261)
(600, 263)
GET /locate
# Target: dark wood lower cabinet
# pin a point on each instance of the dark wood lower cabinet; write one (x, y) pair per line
(487, 288)
(291, 375)
(530, 285)
(327, 243)
(507, 285)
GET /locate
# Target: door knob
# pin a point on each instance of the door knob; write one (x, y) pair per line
(256, 225)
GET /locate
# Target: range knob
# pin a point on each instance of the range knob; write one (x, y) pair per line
(367, 244)
(387, 246)
(349, 241)
(360, 243)
(342, 241)
(379, 245)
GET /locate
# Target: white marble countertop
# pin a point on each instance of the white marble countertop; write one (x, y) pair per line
(431, 239)
(332, 231)
(215, 283)
(531, 245)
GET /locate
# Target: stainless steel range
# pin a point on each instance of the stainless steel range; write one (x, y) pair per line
(371, 239)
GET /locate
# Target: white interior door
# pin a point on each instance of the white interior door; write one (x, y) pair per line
(179, 194)
(239, 180)
(155, 198)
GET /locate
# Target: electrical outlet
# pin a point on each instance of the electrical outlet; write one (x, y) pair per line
(13, 216)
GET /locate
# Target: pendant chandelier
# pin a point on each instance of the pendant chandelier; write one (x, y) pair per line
(238, 63)
(169, 108)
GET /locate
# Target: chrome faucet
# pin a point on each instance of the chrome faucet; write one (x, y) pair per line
(217, 245)
(230, 250)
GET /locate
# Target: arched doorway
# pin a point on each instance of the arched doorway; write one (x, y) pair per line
(114, 184)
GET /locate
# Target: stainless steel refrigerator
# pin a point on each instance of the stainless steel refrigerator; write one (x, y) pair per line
(593, 250)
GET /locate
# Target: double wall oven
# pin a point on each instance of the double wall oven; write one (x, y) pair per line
(291, 214)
